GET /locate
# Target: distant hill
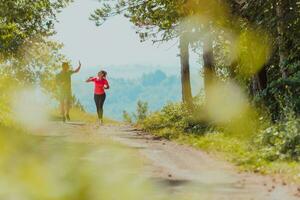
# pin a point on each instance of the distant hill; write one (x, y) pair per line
(157, 88)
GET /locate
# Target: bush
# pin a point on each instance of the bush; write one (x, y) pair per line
(176, 116)
(127, 117)
(140, 115)
(281, 141)
(141, 111)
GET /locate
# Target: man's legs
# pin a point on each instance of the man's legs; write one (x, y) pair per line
(62, 109)
(68, 104)
(68, 107)
(65, 105)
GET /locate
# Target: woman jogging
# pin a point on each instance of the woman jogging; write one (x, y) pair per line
(101, 84)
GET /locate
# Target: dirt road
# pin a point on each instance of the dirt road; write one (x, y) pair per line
(180, 169)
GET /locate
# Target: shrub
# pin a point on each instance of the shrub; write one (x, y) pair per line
(281, 141)
(127, 117)
(176, 116)
(140, 115)
(141, 110)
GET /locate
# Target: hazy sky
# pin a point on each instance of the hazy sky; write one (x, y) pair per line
(114, 43)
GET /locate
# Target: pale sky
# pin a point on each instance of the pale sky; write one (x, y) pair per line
(113, 44)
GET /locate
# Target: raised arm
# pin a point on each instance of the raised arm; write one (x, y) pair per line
(91, 79)
(78, 68)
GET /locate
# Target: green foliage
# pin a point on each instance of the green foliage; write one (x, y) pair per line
(127, 117)
(281, 94)
(140, 115)
(37, 66)
(141, 111)
(152, 18)
(281, 141)
(263, 13)
(175, 116)
(281, 20)
(22, 21)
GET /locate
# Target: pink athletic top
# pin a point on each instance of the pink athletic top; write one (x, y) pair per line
(99, 85)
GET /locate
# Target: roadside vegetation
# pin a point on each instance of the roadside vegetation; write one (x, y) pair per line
(271, 148)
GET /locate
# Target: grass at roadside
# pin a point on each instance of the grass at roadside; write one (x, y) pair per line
(235, 150)
(78, 115)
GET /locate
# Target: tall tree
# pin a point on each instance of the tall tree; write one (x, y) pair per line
(280, 76)
(185, 70)
(27, 54)
(208, 66)
(282, 9)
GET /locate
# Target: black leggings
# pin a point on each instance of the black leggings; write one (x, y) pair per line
(99, 101)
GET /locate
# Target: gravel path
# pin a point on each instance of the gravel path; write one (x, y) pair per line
(180, 169)
(183, 170)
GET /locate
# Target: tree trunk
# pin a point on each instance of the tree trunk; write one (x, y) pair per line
(281, 10)
(185, 71)
(259, 81)
(209, 66)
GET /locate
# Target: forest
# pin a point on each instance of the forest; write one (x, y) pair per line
(247, 113)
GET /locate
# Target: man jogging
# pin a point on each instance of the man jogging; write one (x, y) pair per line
(65, 89)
